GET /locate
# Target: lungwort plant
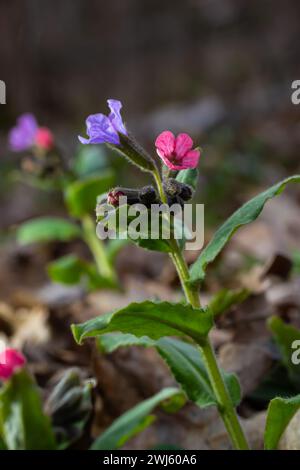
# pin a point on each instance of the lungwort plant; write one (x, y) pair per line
(79, 183)
(179, 332)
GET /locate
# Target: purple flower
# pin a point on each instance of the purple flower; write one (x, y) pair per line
(22, 136)
(105, 129)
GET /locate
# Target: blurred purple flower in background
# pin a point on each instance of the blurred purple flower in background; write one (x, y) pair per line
(22, 136)
(105, 129)
(27, 134)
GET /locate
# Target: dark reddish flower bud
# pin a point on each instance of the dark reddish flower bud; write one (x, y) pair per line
(113, 197)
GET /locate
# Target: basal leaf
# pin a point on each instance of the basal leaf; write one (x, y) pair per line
(133, 421)
(46, 229)
(71, 269)
(184, 361)
(246, 214)
(23, 425)
(81, 196)
(152, 319)
(280, 413)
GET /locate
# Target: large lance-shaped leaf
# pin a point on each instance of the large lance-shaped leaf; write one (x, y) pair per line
(46, 229)
(246, 214)
(280, 413)
(152, 319)
(23, 425)
(287, 338)
(81, 196)
(133, 421)
(185, 363)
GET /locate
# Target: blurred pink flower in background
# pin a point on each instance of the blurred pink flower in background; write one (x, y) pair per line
(10, 360)
(27, 134)
(177, 152)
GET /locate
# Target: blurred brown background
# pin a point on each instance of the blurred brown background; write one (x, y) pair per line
(219, 69)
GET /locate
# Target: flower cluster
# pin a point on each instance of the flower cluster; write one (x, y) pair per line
(177, 153)
(27, 134)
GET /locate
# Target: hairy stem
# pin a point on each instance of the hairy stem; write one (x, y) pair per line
(225, 406)
(97, 248)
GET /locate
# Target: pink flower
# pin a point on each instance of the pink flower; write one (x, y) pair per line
(44, 138)
(177, 152)
(10, 360)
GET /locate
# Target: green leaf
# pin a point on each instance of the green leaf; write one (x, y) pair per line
(23, 425)
(139, 234)
(152, 319)
(246, 214)
(185, 363)
(81, 196)
(225, 299)
(66, 270)
(71, 269)
(189, 176)
(286, 336)
(280, 413)
(90, 159)
(46, 229)
(132, 422)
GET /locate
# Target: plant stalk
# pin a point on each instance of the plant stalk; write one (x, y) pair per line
(96, 247)
(226, 408)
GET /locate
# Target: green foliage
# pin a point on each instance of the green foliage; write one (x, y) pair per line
(296, 262)
(280, 413)
(46, 229)
(23, 425)
(71, 269)
(152, 319)
(133, 421)
(185, 363)
(81, 196)
(285, 335)
(70, 407)
(244, 215)
(89, 160)
(225, 299)
(138, 234)
(152, 234)
(189, 176)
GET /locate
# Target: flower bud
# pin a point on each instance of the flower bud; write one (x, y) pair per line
(148, 195)
(175, 188)
(114, 195)
(69, 403)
